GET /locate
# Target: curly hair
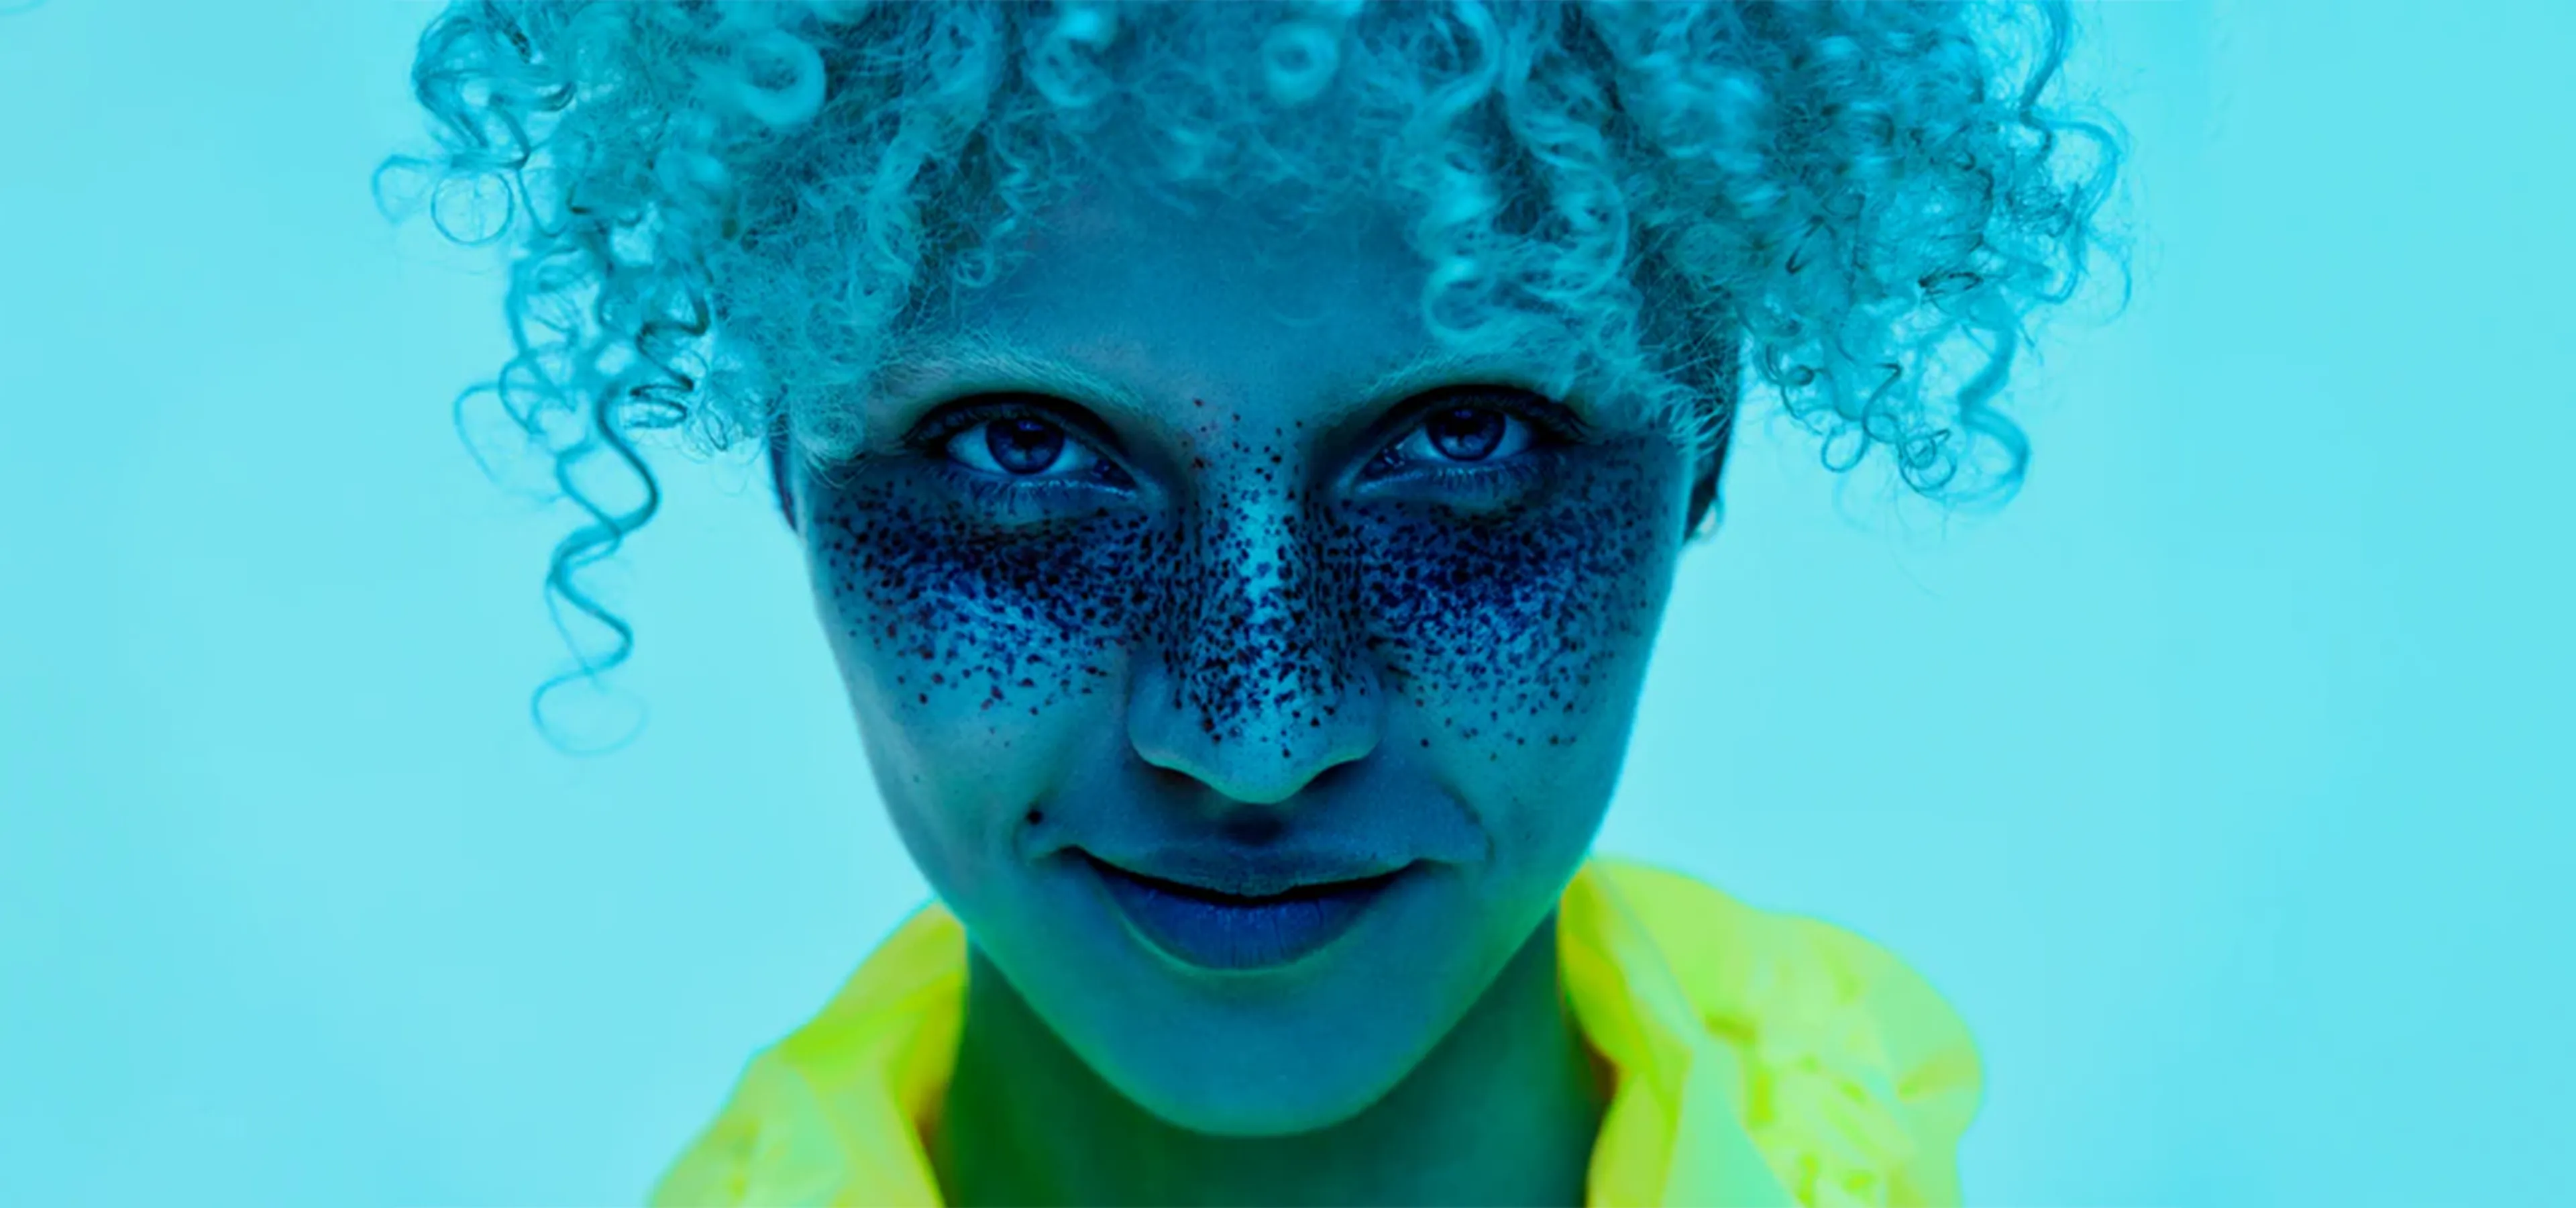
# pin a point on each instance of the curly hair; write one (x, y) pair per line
(723, 216)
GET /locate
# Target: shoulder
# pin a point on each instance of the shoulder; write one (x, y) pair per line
(833, 1112)
(717, 1166)
(1860, 1078)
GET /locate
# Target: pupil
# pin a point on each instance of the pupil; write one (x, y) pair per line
(1467, 433)
(1023, 446)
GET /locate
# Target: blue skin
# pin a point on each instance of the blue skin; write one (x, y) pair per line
(1190, 571)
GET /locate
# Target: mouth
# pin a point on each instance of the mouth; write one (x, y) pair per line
(1230, 932)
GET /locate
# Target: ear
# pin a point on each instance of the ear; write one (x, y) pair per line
(1726, 390)
(778, 474)
(1704, 508)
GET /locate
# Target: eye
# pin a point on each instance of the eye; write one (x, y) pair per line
(1020, 446)
(1015, 441)
(1477, 433)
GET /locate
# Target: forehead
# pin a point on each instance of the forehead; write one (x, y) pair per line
(1200, 299)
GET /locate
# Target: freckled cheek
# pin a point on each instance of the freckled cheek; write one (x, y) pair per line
(1530, 616)
(1518, 632)
(947, 616)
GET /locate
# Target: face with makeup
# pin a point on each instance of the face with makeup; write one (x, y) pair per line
(1181, 552)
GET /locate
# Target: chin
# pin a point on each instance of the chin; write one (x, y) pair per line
(1300, 1086)
(1246, 1060)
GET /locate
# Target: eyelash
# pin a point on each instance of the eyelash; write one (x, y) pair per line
(932, 442)
(1549, 432)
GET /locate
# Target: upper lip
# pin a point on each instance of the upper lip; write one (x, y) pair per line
(1248, 875)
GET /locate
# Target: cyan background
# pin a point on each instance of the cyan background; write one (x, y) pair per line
(2219, 780)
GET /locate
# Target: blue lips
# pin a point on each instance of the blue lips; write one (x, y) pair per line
(1218, 932)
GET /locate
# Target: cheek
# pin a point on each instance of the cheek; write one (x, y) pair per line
(1528, 633)
(971, 652)
(1523, 631)
(948, 620)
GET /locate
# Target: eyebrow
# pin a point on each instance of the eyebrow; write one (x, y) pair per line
(962, 364)
(965, 364)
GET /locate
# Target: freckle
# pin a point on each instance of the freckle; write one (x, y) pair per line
(1426, 742)
(925, 698)
(1036, 815)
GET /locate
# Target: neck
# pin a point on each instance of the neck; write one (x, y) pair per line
(1503, 1110)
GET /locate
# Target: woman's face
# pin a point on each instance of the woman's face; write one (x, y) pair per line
(1249, 695)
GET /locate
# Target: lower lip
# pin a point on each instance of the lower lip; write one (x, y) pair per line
(1239, 933)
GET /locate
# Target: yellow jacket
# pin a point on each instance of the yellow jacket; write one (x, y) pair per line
(1762, 1059)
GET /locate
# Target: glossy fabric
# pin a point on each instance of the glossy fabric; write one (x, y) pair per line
(1762, 1059)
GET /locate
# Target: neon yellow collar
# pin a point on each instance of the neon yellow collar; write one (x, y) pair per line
(1762, 1059)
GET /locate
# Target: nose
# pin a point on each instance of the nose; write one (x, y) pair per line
(1261, 678)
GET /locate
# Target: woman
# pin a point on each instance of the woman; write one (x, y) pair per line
(1242, 452)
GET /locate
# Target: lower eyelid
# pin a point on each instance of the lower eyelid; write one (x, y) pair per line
(1004, 494)
(1521, 465)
